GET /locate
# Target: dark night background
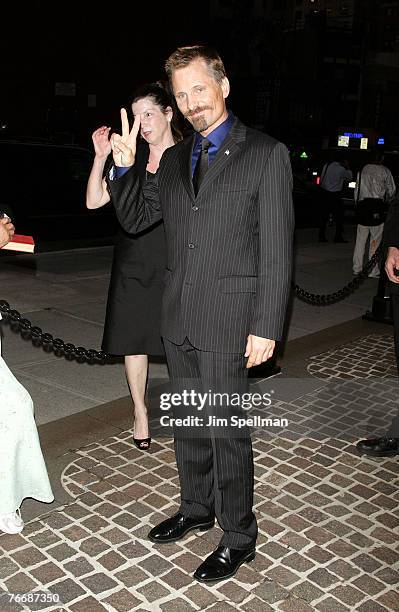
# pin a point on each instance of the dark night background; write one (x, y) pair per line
(299, 69)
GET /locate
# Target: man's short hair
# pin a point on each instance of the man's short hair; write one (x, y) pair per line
(183, 56)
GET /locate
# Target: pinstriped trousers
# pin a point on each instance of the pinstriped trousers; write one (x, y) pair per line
(215, 468)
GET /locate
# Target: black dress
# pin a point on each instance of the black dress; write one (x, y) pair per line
(133, 316)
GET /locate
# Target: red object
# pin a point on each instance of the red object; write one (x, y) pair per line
(318, 181)
(24, 244)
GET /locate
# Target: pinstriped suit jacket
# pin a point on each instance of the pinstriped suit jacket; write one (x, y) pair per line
(229, 249)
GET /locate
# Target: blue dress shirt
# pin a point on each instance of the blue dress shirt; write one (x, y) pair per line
(216, 138)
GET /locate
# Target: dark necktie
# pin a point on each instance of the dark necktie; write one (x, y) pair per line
(201, 166)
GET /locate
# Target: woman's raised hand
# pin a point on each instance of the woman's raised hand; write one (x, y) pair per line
(124, 147)
(102, 145)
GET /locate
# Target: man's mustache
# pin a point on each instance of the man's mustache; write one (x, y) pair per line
(196, 111)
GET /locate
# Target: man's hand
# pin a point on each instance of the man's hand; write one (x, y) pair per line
(258, 350)
(102, 145)
(124, 147)
(392, 263)
(6, 231)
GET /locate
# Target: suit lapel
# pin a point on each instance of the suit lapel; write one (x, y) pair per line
(185, 165)
(228, 150)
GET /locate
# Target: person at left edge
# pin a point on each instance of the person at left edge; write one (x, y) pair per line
(23, 471)
(132, 322)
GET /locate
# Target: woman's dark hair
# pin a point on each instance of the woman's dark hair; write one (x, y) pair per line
(160, 93)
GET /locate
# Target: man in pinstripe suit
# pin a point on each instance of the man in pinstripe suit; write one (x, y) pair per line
(224, 194)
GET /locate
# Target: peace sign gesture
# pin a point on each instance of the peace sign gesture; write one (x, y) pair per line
(124, 147)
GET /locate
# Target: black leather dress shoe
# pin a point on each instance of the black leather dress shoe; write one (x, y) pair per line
(379, 447)
(223, 563)
(177, 526)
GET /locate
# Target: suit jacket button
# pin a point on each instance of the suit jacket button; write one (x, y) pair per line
(191, 245)
(195, 208)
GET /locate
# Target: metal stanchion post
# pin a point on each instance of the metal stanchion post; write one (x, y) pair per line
(381, 310)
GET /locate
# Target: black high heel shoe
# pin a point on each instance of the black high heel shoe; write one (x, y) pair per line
(143, 444)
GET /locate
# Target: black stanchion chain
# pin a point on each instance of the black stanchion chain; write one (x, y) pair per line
(331, 298)
(91, 356)
(47, 341)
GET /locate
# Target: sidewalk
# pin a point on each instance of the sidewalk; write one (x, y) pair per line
(328, 518)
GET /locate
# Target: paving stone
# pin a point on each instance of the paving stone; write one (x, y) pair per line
(282, 576)
(387, 555)
(180, 605)
(28, 556)
(366, 563)
(360, 540)
(89, 499)
(7, 567)
(176, 579)
(99, 583)
(44, 539)
(369, 585)
(155, 565)
(188, 562)
(293, 604)
(346, 570)
(388, 575)
(386, 536)
(294, 540)
(67, 590)
(48, 572)
(306, 591)
(296, 523)
(342, 549)
(131, 576)
(111, 561)
(153, 591)
(93, 546)
(20, 583)
(133, 550)
(390, 600)
(256, 605)
(318, 554)
(274, 550)
(107, 510)
(61, 552)
(233, 592)
(94, 523)
(271, 592)
(371, 606)
(122, 601)
(201, 596)
(318, 535)
(75, 533)
(332, 605)
(88, 604)
(76, 511)
(128, 521)
(348, 594)
(297, 562)
(79, 567)
(56, 520)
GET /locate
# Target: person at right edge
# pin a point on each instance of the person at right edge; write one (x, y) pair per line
(388, 445)
(333, 177)
(375, 186)
(225, 195)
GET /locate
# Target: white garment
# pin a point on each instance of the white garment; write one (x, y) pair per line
(23, 472)
(374, 232)
(333, 177)
(376, 181)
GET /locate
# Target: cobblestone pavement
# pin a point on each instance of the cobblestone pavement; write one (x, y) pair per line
(328, 518)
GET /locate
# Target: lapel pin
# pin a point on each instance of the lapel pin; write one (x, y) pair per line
(227, 152)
